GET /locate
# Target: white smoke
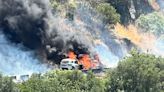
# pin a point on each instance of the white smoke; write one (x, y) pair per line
(16, 61)
(107, 58)
(160, 46)
(161, 4)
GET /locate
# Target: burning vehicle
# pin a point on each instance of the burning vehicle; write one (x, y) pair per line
(82, 62)
(69, 64)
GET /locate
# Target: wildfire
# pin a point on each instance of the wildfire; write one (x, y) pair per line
(130, 33)
(72, 55)
(145, 41)
(85, 61)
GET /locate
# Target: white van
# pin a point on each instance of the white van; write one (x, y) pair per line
(69, 64)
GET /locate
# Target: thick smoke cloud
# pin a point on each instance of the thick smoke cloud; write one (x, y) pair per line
(32, 23)
(23, 21)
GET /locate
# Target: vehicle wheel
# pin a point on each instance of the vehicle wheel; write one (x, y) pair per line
(64, 69)
(80, 67)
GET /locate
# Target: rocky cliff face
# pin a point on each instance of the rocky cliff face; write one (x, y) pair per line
(131, 9)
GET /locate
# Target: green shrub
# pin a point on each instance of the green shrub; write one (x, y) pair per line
(6, 85)
(109, 13)
(63, 81)
(138, 73)
(153, 22)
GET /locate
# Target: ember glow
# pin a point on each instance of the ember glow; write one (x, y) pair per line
(72, 55)
(86, 61)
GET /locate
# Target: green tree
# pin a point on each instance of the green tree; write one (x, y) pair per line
(95, 3)
(7, 85)
(153, 22)
(138, 73)
(63, 81)
(110, 14)
(64, 7)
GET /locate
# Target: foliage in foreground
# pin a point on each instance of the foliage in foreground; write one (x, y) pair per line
(138, 73)
(6, 85)
(63, 81)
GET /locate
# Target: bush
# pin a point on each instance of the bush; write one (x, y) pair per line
(64, 8)
(138, 73)
(153, 22)
(110, 14)
(63, 81)
(6, 85)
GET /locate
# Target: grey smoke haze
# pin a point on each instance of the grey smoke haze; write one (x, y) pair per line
(14, 60)
(161, 4)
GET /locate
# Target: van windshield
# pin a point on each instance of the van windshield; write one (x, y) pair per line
(65, 61)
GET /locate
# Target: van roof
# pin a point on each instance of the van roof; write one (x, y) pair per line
(68, 59)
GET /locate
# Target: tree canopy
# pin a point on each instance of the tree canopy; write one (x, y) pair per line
(138, 73)
(63, 81)
(153, 22)
(109, 13)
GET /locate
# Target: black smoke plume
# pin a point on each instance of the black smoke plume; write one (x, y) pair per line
(28, 22)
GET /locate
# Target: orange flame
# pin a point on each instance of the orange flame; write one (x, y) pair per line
(145, 41)
(130, 33)
(71, 55)
(86, 61)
